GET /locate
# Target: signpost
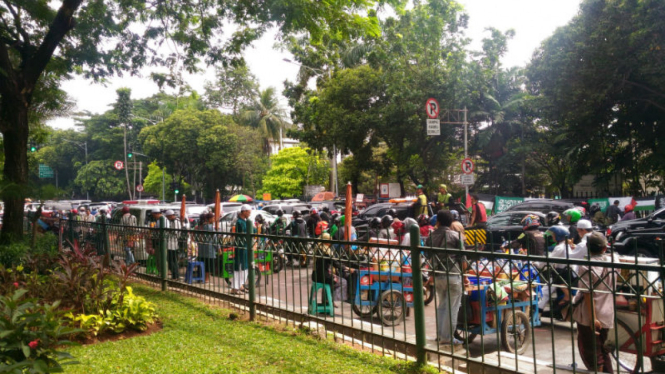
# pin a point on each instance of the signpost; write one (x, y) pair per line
(433, 127)
(467, 166)
(139, 188)
(119, 165)
(45, 171)
(432, 108)
(468, 179)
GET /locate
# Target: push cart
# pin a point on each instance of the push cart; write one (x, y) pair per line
(386, 292)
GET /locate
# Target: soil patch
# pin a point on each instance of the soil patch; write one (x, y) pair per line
(111, 336)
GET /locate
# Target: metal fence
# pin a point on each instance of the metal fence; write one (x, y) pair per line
(403, 300)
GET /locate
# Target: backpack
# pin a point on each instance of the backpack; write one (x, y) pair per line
(320, 228)
(299, 229)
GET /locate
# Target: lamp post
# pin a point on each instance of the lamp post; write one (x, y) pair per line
(333, 170)
(140, 169)
(83, 146)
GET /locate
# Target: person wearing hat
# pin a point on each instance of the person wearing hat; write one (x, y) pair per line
(172, 242)
(129, 222)
(240, 260)
(421, 204)
(594, 312)
(579, 250)
(443, 197)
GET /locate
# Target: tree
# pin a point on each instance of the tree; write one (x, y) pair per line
(235, 87)
(152, 184)
(103, 38)
(101, 179)
(266, 115)
(291, 169)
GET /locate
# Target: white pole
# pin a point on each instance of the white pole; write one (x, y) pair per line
(466, 187)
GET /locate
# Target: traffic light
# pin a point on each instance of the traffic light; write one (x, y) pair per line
(177, 191)
(32, 146)
(33, 149)
(130, 155)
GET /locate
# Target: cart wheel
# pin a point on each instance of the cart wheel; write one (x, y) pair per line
(392, 307)
(516, 332)
(463, 335)
(627, 361)
(428, 295)
(364, 311)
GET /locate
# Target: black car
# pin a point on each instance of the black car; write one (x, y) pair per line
(403, 209)
(507, 226)
(543, 206)
(638, 236)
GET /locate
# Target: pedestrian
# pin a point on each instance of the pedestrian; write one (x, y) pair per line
(172, 243)
(128, 221)
(325, 214)
(560, 274)
(443, 197)
(208, 247)
(386, 231)
(278, 226)
(457, 225)
(448, 279)
(421, 204)
(594, 313)
(331, 272)
(572, 216)
(629, 213)
(478, 213)
(298, 230)
(312, 220)
(579, 250)
(240, 260)
(614, 213)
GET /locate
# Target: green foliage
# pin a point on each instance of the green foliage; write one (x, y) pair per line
(20, 251)
(31, 335)
(234, 88)
(293, 168)
(127, 311)
(152, 184)
(101, 179)
(265, 114)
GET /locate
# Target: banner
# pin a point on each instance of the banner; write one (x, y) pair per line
(604, 203)
(502, 203)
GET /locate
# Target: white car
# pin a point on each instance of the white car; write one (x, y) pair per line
(228, 220)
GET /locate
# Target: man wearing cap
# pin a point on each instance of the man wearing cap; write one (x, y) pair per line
(584, 229)
(129, 229)
(421, 204)
(172, 222)
(240, 260)
(443, 197)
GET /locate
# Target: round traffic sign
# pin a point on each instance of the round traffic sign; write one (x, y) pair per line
(139, 188)
(119, 165)
(432, 108)
(467, 166)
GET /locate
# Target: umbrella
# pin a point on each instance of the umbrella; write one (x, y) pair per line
(218, 210)
(241, 198)
(182, 209)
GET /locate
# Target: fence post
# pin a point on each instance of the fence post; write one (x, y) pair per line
(106, 244)
(162, 251)
(250, 260)
(71, 228)
(418, 297)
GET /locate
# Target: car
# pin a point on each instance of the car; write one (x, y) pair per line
(227, 222)
(542, 205)
(226, 207)
(404, 209)
(637, 236)
(507, 226)
(333, 206)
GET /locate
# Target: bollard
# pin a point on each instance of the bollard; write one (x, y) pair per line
(418, 297)
(163, 269)
(250, 260)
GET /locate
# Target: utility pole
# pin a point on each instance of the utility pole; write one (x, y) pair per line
(129, 189)
(466, 187)
(163, 187)
(140, 176)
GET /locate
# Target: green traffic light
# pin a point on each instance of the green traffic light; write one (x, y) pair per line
(177, 191)
(33, 149)
(129, 155)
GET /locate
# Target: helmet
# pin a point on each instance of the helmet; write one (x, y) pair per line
(573, 215)
(386, 221)
(259, 219)
(375, 223)
(553, 218)
(279, 212)
(423, 220)
(392, 212)
(398, 227)
(408, 223)
(335, 218)
(581, 209)
(313, 211)
(432, 221)
(594, 208)
(559, 233)
(75, 211)
(326, 209)
(296, 214)
(530, 221)
(455, 214)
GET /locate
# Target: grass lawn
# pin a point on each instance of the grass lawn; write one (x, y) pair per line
(198, 338)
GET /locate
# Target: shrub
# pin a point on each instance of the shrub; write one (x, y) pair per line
(30, 334)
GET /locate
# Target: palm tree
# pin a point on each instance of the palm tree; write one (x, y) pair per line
(267, 116)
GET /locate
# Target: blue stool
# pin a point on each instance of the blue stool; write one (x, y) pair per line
(189, 275)
(327, 307)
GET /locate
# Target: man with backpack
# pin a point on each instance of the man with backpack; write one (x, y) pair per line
(278, 227)
(298, 229)
(312, 221)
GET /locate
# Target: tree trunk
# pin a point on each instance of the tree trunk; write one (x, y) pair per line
(15, 140)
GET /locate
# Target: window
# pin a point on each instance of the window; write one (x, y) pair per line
(500, 220)
(371, 212)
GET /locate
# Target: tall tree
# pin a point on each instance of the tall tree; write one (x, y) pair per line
(266, 114)
(102, 38)
(234, 88)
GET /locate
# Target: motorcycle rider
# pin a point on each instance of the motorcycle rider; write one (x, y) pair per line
(374, 229)
(298, 229)
(279, 225)
(531, 240)
(560, 273)
(386, 229)
(597, 215)
(312, 220)
(425, 227)
(553, 218)
(572, 216)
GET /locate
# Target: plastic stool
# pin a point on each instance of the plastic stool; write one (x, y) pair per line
(327, 307)
(189, 275)
(151, 265)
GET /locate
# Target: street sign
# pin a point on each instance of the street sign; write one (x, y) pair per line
(119, 165)
(139, 188)
(45, 171)
(433, 127)
(468, 179)
(432, 108)
(467, 166)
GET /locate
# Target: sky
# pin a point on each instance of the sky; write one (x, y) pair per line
(532, 20)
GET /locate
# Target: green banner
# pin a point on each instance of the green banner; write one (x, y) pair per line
(45, 171)
(604, 203)
(502, 203)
